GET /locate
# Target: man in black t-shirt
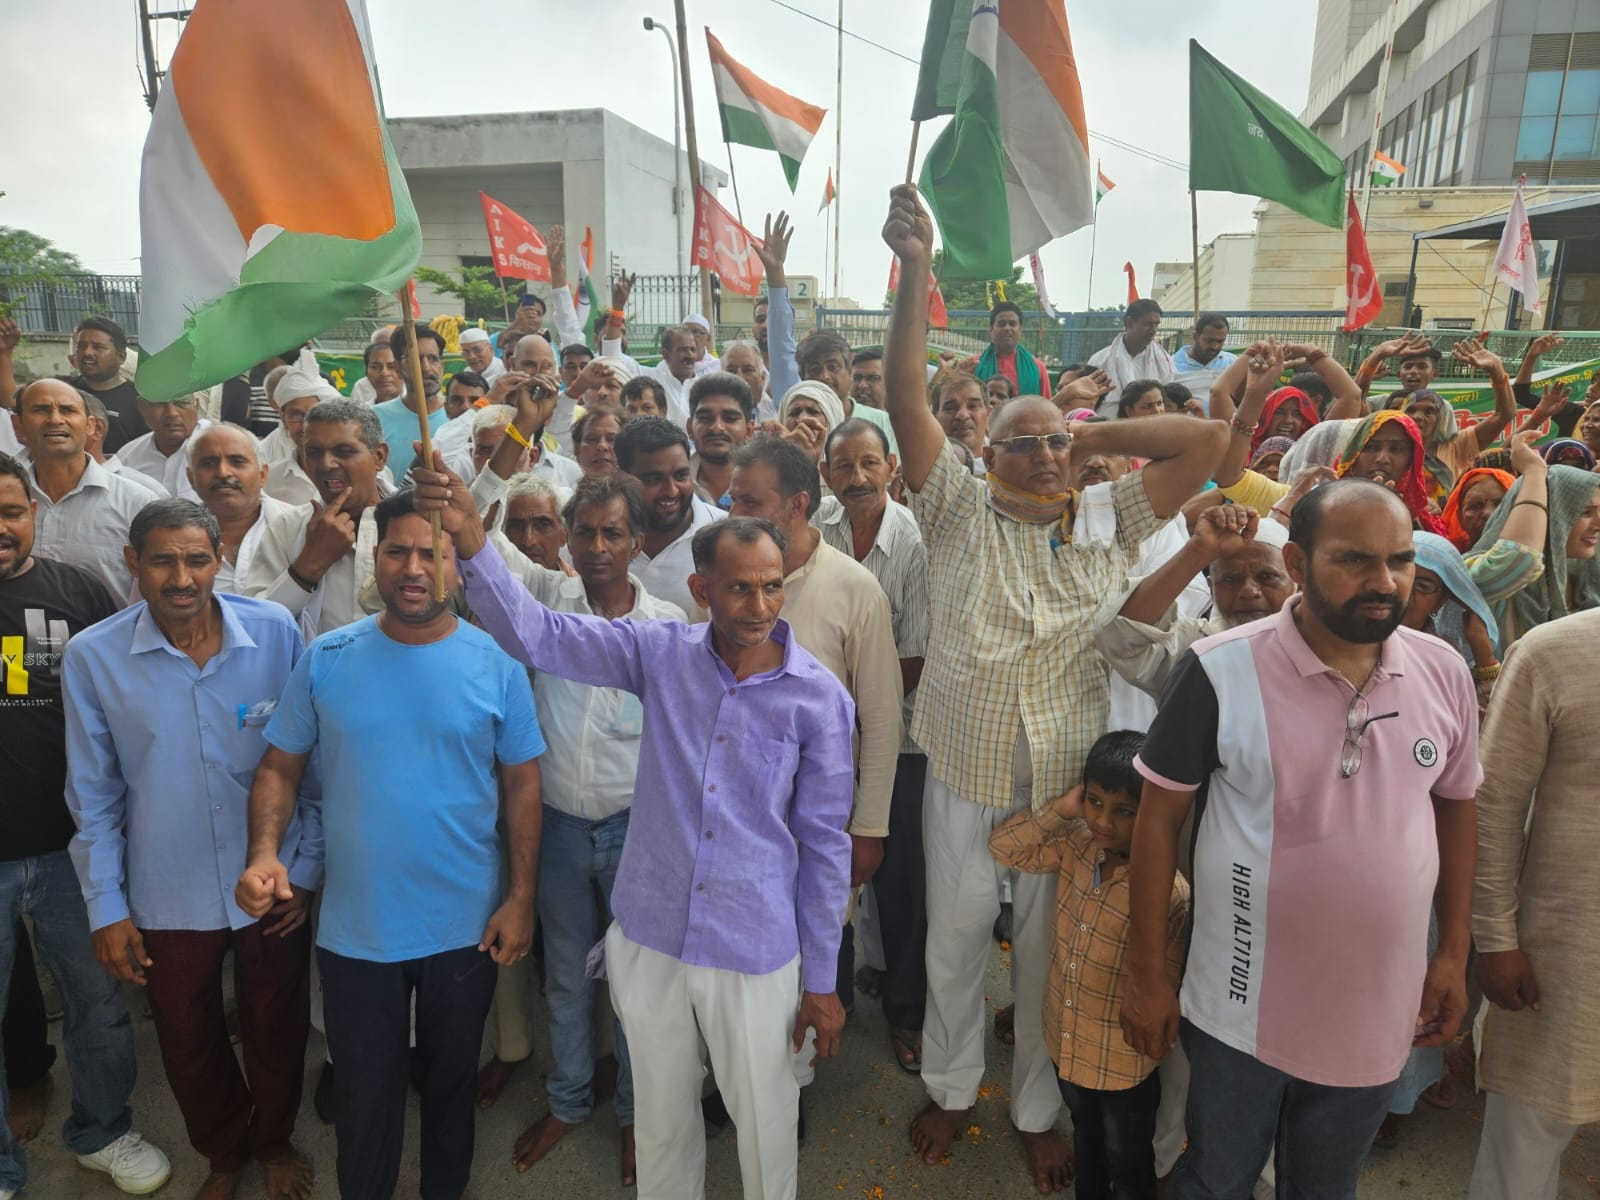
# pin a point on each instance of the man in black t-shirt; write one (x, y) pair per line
(42, 605)
(99, 349)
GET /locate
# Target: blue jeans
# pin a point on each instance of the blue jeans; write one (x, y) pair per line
(1113, 1139)
(577, 870)
(1239, 1108)
(96, 1034)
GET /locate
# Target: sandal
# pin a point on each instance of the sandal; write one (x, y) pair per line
(1443, 1092)
(907, 1047)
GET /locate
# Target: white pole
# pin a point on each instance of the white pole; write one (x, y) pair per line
(1379, 93)
(838, 152)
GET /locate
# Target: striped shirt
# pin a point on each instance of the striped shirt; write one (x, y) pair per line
(1083, 993)
(899, 563)
(1011, 617)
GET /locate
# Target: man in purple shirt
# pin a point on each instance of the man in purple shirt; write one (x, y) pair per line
(736, 872)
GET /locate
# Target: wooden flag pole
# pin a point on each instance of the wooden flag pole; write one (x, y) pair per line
(505, 299)
(409, 324)
(1194, 247)
(911, 159)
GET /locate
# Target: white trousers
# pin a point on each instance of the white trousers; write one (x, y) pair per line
(668, 1009)
(1519, 1152)
(963, 890)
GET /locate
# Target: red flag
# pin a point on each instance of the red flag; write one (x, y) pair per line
(938, 315)
(1363, 297)
(514, 244)
(725, 246)
(1133, 285)
(411, 294)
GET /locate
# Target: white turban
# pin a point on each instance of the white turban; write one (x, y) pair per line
(617, 366)
(825, 397)
(304, 379)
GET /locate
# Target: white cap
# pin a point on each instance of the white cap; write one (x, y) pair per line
(697, 319)
(472, 337)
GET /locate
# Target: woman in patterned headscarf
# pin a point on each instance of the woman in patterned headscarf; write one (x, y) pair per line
(1387, 448)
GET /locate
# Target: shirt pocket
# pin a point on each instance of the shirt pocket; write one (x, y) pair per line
(623, 715)
(775, 758)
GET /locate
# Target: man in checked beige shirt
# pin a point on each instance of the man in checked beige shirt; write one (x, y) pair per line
(1012, 694)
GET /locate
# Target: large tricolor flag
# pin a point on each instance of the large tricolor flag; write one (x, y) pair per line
(271, 203)
(754, 113)
(1011, 172)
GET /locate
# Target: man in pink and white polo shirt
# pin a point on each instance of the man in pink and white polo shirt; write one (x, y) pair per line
(1333, 757)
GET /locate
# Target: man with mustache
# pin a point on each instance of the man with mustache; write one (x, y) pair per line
(655, 451)
(159, 799)
(1336, 754)
(44, 605)
(315, 559)
(721, 409)
(226, 472)
(158, 454)
(99, 350)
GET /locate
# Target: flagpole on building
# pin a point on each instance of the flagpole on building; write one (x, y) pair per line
(1194, 246)
(694, 153)
(838, 150)
(1379, 93)
(416, 387)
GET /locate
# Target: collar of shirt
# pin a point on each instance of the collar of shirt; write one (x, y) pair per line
(147, 636)
(891, 530)
(1391, 661)
(94, 476)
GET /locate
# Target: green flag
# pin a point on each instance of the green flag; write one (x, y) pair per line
(944, 46)
(1240, 140)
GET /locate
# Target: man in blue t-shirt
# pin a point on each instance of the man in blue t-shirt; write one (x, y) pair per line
(410, 711)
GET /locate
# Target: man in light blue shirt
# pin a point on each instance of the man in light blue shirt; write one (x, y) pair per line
(167, 703)
(411, 711)
(399, 416)
(1198, 364)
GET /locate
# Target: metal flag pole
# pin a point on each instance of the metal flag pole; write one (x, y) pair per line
(1379, 93)
(1094, 237)
(838, 152)
(694, 152)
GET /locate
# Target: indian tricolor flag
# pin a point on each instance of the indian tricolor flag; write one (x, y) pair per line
(271, 203)
(754, 113)
(1385, 171)
(1012, 171)
(1102, 183)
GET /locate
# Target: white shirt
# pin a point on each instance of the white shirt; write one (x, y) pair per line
(88, 527)
(137, 478)
(277, 446)
(707, 365)
(336, 600)
(1132, 708)
(591, 734)
(493, 371)
(362, 392)
(288, 482)
(1150, 363)
(231, 575)
(171, 471)
(667, 574)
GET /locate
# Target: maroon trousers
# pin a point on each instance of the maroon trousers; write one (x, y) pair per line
(228, 1121)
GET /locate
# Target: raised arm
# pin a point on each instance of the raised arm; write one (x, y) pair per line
(1225, 388)
(1537, 349)
(1219, 528)
(1530, 511)
(10, 335)
(1036, 841)
(1372, 365)
(561, 310)
(773, 251)
(1348, 398)
(1182, 451)
(1262, 366)
(1475, 354)
(909, 233)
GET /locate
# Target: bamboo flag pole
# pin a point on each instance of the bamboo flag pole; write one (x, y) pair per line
(415, 356)
(1194, 247)
(1094, 238)
(911, 159)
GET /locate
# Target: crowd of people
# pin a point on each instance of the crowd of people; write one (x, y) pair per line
(656, 687)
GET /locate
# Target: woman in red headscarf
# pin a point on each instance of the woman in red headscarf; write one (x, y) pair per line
(1387, 448)
(1288, 412)
(1472, 503)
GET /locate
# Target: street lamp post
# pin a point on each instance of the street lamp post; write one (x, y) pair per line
(677, 156)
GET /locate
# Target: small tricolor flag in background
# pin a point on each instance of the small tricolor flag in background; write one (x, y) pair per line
(271, 204)
(1385, 171)
(1102, 183)
(1012, 171)
(828, 192)
(754, 113)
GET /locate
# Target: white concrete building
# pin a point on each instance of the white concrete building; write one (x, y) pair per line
(573, 167)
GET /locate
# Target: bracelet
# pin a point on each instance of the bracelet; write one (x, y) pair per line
(515, 435)
(301, 581)
(1532, 503)
(1239, 427)
(618, 315)
(1281, 512)
(1486, 674)
(1315, 357)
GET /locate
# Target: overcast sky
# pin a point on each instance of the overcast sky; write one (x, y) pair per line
(71, 166)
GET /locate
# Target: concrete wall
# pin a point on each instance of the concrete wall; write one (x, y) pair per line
(1226, 267)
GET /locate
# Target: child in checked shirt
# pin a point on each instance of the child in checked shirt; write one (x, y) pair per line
(1111, 1090)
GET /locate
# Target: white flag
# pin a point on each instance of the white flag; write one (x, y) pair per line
(1517, 260)
(1038, 282)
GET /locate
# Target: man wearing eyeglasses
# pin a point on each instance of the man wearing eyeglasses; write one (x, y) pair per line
(1012, 694)
(1333, 756)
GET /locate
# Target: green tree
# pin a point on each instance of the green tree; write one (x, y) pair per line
(478, 289)
(969, 293)
(28, 260)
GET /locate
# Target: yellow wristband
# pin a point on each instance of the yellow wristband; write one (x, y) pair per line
(515, 435)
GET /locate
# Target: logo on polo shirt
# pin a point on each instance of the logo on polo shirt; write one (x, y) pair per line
(1426, 752)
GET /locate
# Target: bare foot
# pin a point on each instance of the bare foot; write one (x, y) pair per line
(218, 1186)
(604, 1083)
(869, 981)
(630, 1167)
(1051, 1160)
(934, 1129)
(492, 1079)
(1005, 1025)
(907, 1047)
(26, 1109)
(289, 1176)
(539, 1139)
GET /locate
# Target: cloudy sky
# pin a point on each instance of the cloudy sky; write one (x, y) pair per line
(71, 168)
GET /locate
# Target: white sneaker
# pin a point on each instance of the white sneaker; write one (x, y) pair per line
(135, 1166)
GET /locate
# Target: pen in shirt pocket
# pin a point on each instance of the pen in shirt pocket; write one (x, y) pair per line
(254, 716)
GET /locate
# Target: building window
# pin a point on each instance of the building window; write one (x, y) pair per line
(1558, 137)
